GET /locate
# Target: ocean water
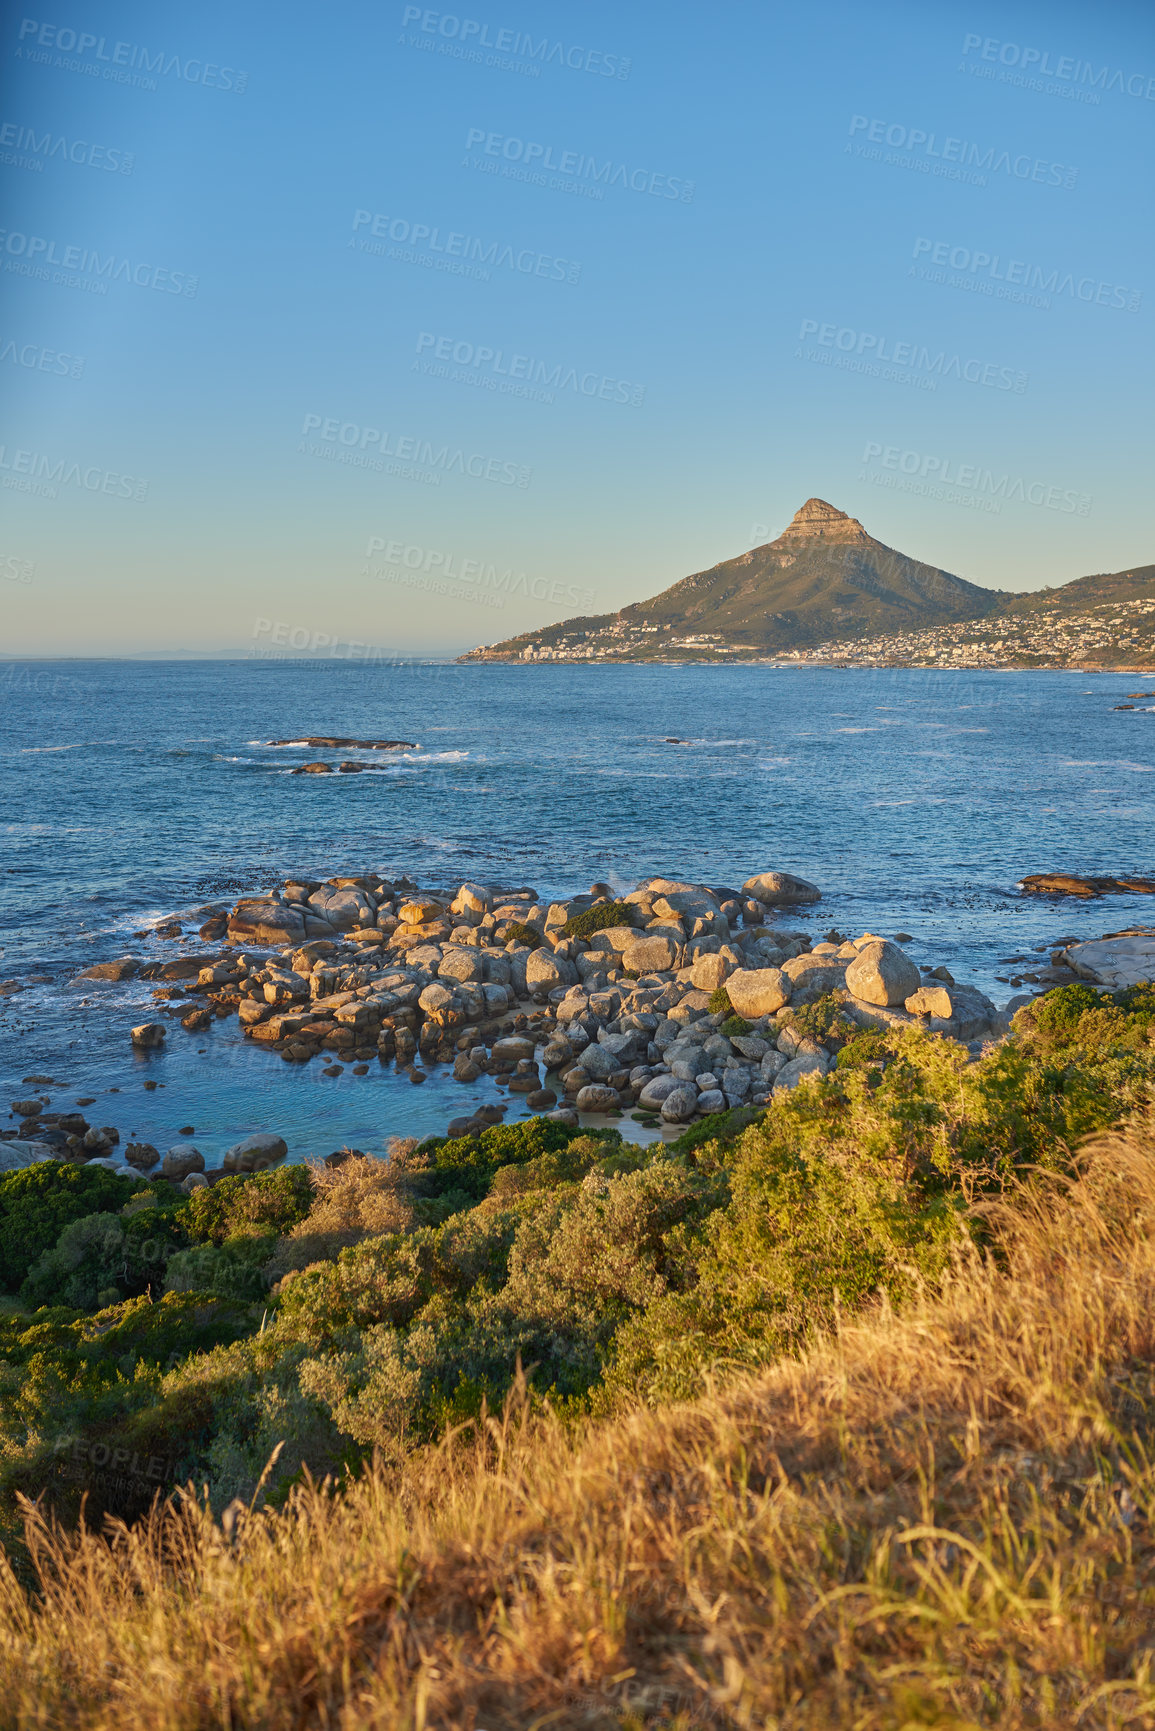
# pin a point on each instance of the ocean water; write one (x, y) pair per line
(130, 790)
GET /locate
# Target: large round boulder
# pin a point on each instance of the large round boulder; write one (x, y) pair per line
(807, 1064)
(649, 955)
(343, 906)
(461, 963)
(15, 1156)
(597, 1097)
(148, 1036)
(599, 1062)
(657, 1091)
(181, 1159)
(757, 992)
(255, 1153)
(931, 1001)
(710, 971)
(680, 1105)
(881, 973)
(544, 972)
(262, 921)
(471, 903)
(780, 890)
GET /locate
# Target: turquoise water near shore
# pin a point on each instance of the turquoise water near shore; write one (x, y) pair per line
(915, 799)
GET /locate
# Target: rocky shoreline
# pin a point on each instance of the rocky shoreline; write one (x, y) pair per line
(671, 1002)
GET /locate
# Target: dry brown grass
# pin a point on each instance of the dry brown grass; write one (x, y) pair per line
(942, 1518)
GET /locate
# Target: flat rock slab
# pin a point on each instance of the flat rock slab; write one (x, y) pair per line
(341, 744)
(15, 1156)
(1114, 962)
(1066, 884)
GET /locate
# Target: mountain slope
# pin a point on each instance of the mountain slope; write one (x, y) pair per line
(823, 577)
(1105, 589)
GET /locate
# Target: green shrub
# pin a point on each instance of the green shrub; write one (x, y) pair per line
(516, 932)
(805, 1233)
(599, 919)
(824, 1019)
(720, 1004)
(564, 1165)
(468, 1164)
(233, 1270)
(104, 1258)
(866, 1050)
(240, 1206)
(39, 1202)
(734, 1025)
(1057, 1014)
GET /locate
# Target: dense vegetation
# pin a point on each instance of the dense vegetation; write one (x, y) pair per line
(372, 1307)
(908, 1480)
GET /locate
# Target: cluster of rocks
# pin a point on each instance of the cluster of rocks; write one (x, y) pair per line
(47, 1135)
(499, 982)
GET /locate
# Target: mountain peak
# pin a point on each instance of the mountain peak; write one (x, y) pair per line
(817, 520)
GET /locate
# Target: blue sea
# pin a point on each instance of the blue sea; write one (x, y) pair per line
(133, 790)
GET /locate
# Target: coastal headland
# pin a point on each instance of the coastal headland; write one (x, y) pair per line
(826, 591)
(671, 1002)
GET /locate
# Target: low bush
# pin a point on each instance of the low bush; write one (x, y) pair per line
(824, 1020)
(599, 918)
(720, 1004)
(240, 1205)
(517, 932)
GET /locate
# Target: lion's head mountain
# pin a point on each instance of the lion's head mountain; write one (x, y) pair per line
(824, 577)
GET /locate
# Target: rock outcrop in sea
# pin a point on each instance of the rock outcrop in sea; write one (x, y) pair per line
(674, 1000)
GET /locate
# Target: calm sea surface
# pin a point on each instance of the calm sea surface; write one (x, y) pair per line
(130, 790)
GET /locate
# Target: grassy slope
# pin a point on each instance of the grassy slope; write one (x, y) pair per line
(940, 1518)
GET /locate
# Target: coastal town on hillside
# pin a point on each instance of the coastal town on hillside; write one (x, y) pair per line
(1117, 634)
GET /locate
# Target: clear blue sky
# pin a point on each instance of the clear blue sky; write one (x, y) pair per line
(799, 279)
